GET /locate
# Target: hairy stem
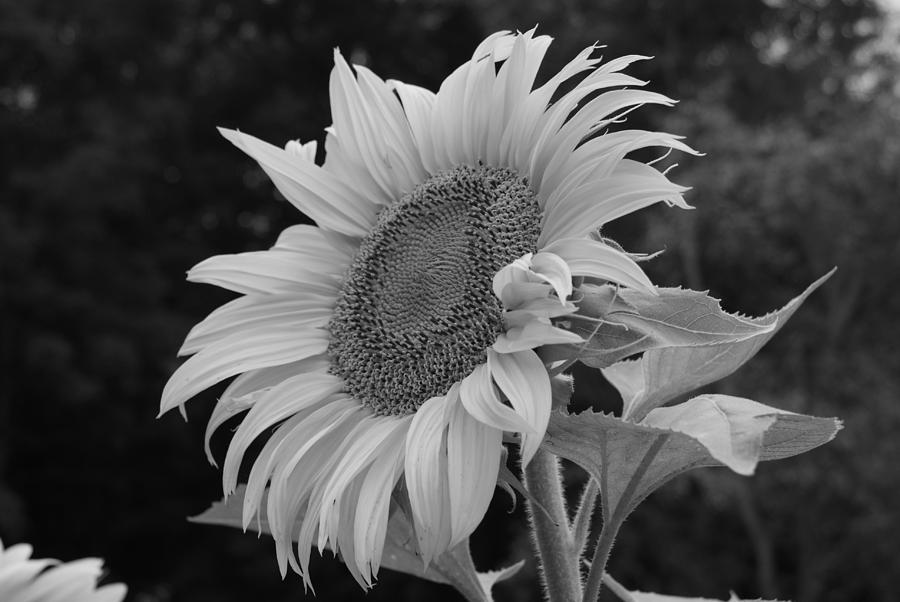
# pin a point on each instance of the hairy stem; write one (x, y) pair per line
(616, 518)
(552, 538)
(581, 524)
(601, 556)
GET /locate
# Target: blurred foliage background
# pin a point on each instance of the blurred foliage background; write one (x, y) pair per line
(113, 181)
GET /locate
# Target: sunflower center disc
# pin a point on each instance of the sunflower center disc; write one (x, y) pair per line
(416, 311)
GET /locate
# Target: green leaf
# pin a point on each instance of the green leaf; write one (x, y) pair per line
(710, 430)
(617, 323)
(627, 595)
(660, 375)
(649, 597)
(454, 567)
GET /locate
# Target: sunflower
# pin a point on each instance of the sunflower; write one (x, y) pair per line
(26, 579)
(392, 346)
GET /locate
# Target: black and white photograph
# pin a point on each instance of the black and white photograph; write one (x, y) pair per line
(449, 300)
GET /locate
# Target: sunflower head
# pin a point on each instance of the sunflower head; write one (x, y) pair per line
(415, 314)
(394, 343)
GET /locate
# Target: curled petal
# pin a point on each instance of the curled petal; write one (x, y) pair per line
(476, 392)
(541, 309)
(533, 334)
(526, 279)
(598, 202)
(524, 380)
(555, 271)
(515, 272)
(587, 257)
(521, 294)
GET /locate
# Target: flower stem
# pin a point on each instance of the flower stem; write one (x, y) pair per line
(555, 546)
(601, 556)
(616, 517)
(581, 524)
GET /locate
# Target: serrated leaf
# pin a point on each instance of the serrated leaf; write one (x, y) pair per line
(710, 430)
(454, 567)
(617, 323)
(661, 375)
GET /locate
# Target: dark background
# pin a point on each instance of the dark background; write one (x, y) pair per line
(113, 181)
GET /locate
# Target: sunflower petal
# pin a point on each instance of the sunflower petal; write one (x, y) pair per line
(476, 113)
(266, 272)
(447, 119)
(554, 271)
(318, 245)
(265, 462)
(590, 118)
(305, 150)
(346, 540)
(520, 294)
(373, 507)
(418, 104)
(478, 397)
(341, 165)
(599, 157)
(594, 204)
(235, 354)
(531, 335)
(513, 83)
(383, 432)
(252, 382)
(331, 203)
(245, 314)
(64, 581)
(18, 573)
(524, 380)
(553, 135)
(588, 257)
(398, 143)
(514, 272)
(355, 121)
(300, 476)
(473, 460)
(283, 401)
(519, 137)
(541, 309)
(425, 469)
